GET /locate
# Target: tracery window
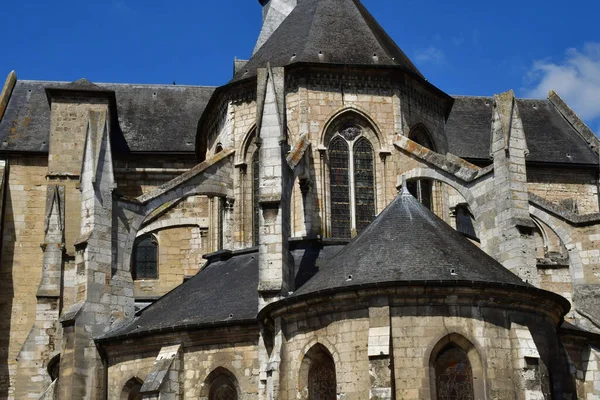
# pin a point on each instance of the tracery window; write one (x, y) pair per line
(453, 375)
(145, 257)
(255, 196)
(321, 380)
(351, 181)
(223, 389)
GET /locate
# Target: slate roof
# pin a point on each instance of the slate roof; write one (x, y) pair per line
(226, 285)
(408, 243)
(223, 288)
(151, 118)
(343, 31)
(550, 138)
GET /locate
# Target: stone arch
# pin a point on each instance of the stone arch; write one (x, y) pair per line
(430, 173)
(473, 352)
(131, 389)
(247, 147)
(219, 375)
(358, 116)
(171, 223)
(212, 177)
(560, 230)
(315, 356)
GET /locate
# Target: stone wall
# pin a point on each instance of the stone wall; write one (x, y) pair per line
(20, 259)
(573, 189)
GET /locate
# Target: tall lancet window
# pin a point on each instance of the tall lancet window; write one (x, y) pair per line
(352, 182)
(453, 375)
(255, 196)
(321, 379)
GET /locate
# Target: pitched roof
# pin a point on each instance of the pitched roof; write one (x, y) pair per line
(408, 243)
(223, 292)
(226, 286)
(151, 118)
(331, 32)
(550, 137)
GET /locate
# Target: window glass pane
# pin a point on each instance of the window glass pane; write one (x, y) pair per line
(339, 189)
(255, 205)
(223, 389)
(453, 375)
(145, 258)
(321, 380)
(364, 179)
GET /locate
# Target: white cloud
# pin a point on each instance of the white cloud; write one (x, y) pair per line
(576, 79)
(431, 55)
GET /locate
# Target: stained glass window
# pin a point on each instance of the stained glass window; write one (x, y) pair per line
(223, 389)
(321, 380)
(453, 375)
(145, 258)
(255, 193)
(364, 182)
(339, 169)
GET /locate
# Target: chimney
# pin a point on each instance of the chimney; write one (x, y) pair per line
(274, 12)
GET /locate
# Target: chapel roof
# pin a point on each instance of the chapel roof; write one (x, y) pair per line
(328, 32)
(549, 136)
(409, 243)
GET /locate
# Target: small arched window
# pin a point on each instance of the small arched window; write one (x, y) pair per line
(223, 388)
(352, 182)
(255, 196)
(453, 374)
(145, 258)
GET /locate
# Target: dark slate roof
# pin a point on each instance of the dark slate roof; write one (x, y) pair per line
(222, 288)
(550, 138)
(151, 118)
(342, 30)
(226, 285)
(408, 243)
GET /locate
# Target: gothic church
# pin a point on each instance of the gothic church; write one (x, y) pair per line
(327, 225)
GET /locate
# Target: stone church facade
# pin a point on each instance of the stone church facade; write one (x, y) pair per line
(327, 225)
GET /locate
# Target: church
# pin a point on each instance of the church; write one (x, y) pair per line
(327, 225)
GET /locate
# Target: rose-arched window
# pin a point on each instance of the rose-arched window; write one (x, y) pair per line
(453, 375)
(351, 181)
(145, 257)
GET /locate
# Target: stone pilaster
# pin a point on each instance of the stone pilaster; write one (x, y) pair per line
(513, 245)
(526, 364)
(592, 373)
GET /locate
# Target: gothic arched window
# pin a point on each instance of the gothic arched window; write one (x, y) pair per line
(131, 391)
(223, 389)
(145, 258)
(352, 182)
(453, 375)
(255, 196)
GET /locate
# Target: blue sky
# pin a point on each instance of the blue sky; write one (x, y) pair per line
(463, 47)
